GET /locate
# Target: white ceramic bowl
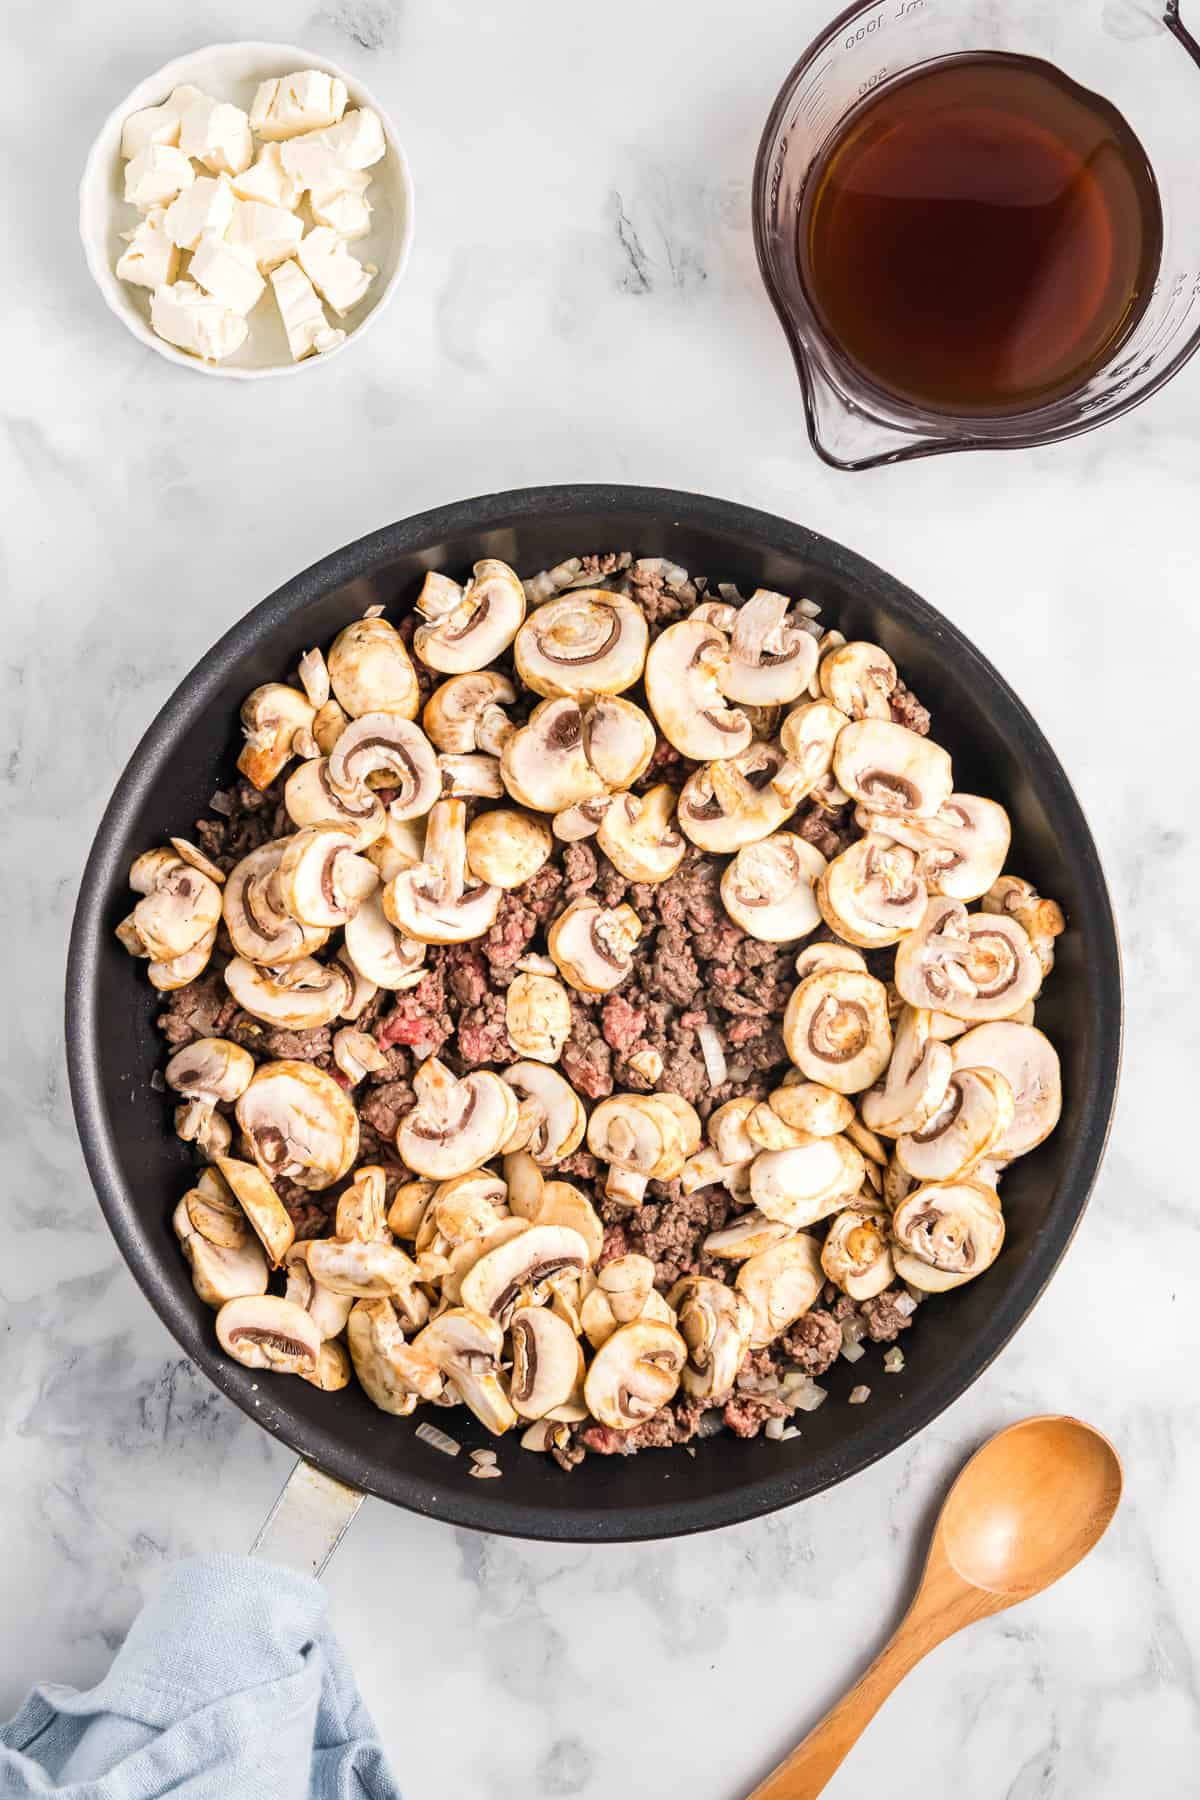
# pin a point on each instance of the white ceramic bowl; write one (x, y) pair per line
(233, 72)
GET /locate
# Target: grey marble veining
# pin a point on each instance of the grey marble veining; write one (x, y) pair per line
(582, 304)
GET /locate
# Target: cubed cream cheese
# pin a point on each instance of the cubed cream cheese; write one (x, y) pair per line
(192, 320)
(208, 205)
(305, 101)
(359, 139)
(308, 330)
(217, 134)
(338, 276)
(312, 162)
(266, 235)
(346, 210)
(152, 259)
(157, 124)
(267, 180)
(155, 175)
(222, 272)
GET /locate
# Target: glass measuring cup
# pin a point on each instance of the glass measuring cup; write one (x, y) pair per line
(1137, 54)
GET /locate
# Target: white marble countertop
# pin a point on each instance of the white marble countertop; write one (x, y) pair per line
(582, 304)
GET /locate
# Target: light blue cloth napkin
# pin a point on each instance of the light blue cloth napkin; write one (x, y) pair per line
(230, 1686)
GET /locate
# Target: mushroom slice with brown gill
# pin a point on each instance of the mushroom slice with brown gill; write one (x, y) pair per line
(836, 1029)
(544, 764)
(960, 851)
(892, 770)
(638, 837)
(260, 927)
(271, 717)
(976, 966)
(590, 641)
(438, 901)
(715, 1322)
(1029, 1063)
(299, 1123)
(468, 628)
(471, 777)
(553, 1109)
(221, 1270)
(768, 888)
(748, 1235)
(860, 679)
(872, 894)
(618, 738)
(322, 879)
(467, 713)
(206, 1072)
(394, 1375)
(730, 803)
(781, 1285)
(917, 1077)
(537, 1015)
(394, 753)
(945, 1234)
(267, 1332)
(1041, 920)
(366, 1271)
(974, 1115)
(312, 799)
(506, 848)
(815, 957)
(265, 1211)
(810, 1106)
(683, 687)
(639, 1138)
(378, 952)
(808, 1182)
(592, 945)
(328, 1310)
(301, 996)
(455, 1126)
(370, 671)
(634, 1374)
(807, 737)
(771, 655)
(547, 1362)
(465, 1346)
(857, 1255)
(179, 910)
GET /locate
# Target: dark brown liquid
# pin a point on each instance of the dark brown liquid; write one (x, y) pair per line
(980, 235)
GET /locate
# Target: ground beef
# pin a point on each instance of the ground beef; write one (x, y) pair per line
(884, 1324)
(675, 1424)
(579, 867)
(466, 974)
(670, 1231)
(384, 1107)
(522, 913)
(662, 604)
(483, 1035)
(419, 1018)
(907, 710)
(311, 1213)
(814, 1342)
(746, 1417)
(621, 1023)
(581, 1165)
(202, 1009)
(299, 1046)
(586, 1059)
(674, 970)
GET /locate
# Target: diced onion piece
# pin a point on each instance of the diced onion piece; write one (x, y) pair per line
(893, 1360)
(853, 1352)
(773, 1429)
(438, 1440)
(713, 1053)
(907, 1303)
(858, 1395)
(807, 1399)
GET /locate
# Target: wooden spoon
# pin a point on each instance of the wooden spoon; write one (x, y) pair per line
(1028, 1506)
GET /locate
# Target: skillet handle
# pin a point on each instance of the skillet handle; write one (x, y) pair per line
(308, 1521)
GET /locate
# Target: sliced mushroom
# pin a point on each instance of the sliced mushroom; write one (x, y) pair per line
(898, 1184)
(332, 1372)
(361, 1206)
(586, 642)
(771, 656)
(618, 738)
(547, 1362)
(465, 1346)
(554, 1108)
(636, 834)
(1041, 920)
(960, 851)
(378, 952)
(808, 1182)
(634, 1374)
(221, 1270)
(467, 713)
(1029, 1063)
(299, 1123)
(322, 879)
(463, 1257)
(260, 927)
(807, 737)
(526, 1184)
(768, 888)
(537, 1013)
(409, 1204)
(810, 1106)
(271, 717)
(401, 847)
(975, 966)
(366, 1271)
(179, 910)
(371, 671)
(544, 765)
(312, 799)
(781, 1285)
(857, 1253)
(727, 804)
(208, 1071)
(892, 770)
(872, 894)
(640, 1139)
(715, 1322)
(301, 996)
(564, 1204)
(462, 1209)
(860, 679)
(815, 957)
(455, 1126)
(396, 753)
(629, 1295)
(974, 1115)
(471, 777)
(836, 1029)
(265, 1332)
(506, 849)
(917, 1077)
(469, 628)
(748, 1235)
(328, 726)
(437, 901)
(592, 945)
(179, 971)
(329, 1311)
(262, 1206)
(393, 1375)
(946, 1234)
(683, 671)
(583, 820)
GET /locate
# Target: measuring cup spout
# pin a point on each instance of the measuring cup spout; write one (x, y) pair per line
(846, 436)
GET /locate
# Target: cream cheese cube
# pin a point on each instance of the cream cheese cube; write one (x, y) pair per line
(308, 330)
(359, 139)
(152, 259)
(228, 277)
(194, 321)
(218, 135)
(157, 124)
(266, 235)
(312, 162)
(305, 101)
(155, 175)
(267, 180)
(206, 206)
(346, 210)
(339, 277)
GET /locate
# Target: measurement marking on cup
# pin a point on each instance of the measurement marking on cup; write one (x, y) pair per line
(905, 10)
